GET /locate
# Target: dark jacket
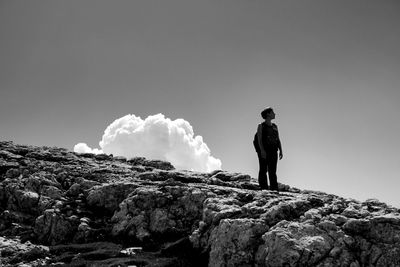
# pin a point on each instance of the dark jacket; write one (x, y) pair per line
(270, 138)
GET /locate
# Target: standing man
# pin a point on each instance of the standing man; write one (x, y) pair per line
(267, 144)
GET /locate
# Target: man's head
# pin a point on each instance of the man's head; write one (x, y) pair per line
(268, 113)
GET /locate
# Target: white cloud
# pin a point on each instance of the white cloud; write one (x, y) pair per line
(84, 148)
(156, 137)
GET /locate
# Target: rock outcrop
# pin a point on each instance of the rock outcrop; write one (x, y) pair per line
(60, 208)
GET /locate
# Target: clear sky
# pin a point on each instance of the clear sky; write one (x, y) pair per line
(331, 70)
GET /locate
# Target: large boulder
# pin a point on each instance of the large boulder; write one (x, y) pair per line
(55, 228)
(106, 198)
(13, 251)
(157, 214)
(234, 242)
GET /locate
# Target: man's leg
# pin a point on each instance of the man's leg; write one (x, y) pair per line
(262, 173)
(272, 161)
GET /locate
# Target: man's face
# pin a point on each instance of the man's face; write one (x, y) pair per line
(271, 115)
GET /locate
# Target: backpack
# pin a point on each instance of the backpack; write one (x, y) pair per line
(255, 144)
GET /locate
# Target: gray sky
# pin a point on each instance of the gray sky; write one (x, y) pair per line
(329, 68)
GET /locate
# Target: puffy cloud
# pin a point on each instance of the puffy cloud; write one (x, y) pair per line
(84, 148)
(156, 137)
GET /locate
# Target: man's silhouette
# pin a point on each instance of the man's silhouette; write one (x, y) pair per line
(267, 145)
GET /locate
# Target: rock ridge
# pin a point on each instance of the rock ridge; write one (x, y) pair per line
(60, 208)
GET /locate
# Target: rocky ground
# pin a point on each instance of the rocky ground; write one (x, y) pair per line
(59, 208)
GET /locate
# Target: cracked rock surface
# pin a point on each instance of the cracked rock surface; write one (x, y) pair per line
(60, 208)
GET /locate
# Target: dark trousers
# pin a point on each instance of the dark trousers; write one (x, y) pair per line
(268, 165)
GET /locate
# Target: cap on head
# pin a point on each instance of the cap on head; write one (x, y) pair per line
(265, 112)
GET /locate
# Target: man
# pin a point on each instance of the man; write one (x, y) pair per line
(267, 145)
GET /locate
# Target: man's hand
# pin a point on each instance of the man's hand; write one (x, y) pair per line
(280, 155)
(263, 154)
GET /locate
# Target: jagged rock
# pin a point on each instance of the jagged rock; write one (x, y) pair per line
(7, 165)
(13, 173)
(120, 158)
(38, 180)
(302, 244)
(25, 201)
(74, 190)
(103, 157)
(109, 196)
(165, 212)
(81, 185)
(9, 155)
(225, 176)
(51, 196)
(54, 228)
(156, 164)
(14, 223)
(12, 251)
(234, 242)
(52, 192)
(45, 203)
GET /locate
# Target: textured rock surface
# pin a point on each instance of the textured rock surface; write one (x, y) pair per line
(59, 208)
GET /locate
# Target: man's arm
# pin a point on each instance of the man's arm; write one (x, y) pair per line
(260, 143)
(279, 145)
